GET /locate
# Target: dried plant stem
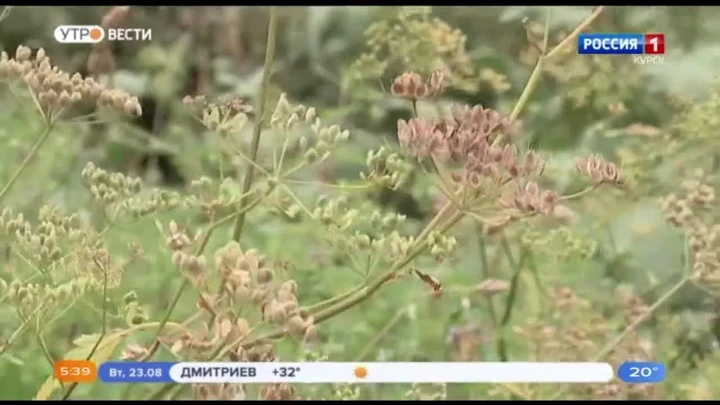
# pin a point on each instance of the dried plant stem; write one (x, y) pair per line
(610, 346)
(579, 29)
(536, 73)
(619, 338)
(5, 12)
(35, 148)
(257, 131)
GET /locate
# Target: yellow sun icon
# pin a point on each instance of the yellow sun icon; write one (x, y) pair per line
(360, 372)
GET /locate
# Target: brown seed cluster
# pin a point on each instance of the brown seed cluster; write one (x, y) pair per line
(692, 212)
(530, 199)
(411, 86)
(467, 139)
(599, 170)
(577, 329)
(56, 90)
(248, 279)
(466, 135)
(250, 295)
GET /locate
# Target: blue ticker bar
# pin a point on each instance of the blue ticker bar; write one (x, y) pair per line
(611, 44)
(135, 372)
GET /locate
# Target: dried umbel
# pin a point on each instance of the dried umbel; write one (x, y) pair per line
(692, 211)
(56, 90)
(599, 170)
(250, 295)
(411, 85)
(465, 136)
(529, 198)
(467, 139)
(575, 328)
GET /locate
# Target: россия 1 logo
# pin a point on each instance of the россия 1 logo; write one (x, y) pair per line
(647, 48)
(92, 34)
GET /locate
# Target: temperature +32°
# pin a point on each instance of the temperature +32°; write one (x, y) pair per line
(286, 372)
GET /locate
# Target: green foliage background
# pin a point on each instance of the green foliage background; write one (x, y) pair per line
(574, 112)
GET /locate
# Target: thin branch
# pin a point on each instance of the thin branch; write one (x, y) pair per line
(257, 131)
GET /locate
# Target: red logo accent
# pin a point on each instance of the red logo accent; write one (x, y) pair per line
(654, 44)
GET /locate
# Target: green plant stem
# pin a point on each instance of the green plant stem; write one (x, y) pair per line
(369, 290)
(387, 276)
(35, 148)
(257, 130)
(485, 269)
(582, 192)
(328, 302)
(537, 71)
(517, 267)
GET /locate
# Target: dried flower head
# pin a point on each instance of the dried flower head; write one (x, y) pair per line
(411, 85)
(599, 170)
(465, 136)
(56, 90)
(529, 198)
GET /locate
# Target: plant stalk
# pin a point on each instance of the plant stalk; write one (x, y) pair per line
(26, 162)
(257, 130)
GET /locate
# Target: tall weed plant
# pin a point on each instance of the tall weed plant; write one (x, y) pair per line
(495, 197)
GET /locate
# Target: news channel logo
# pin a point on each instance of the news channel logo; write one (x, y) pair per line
(92, 34)
(621, 44)
(79, 34)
